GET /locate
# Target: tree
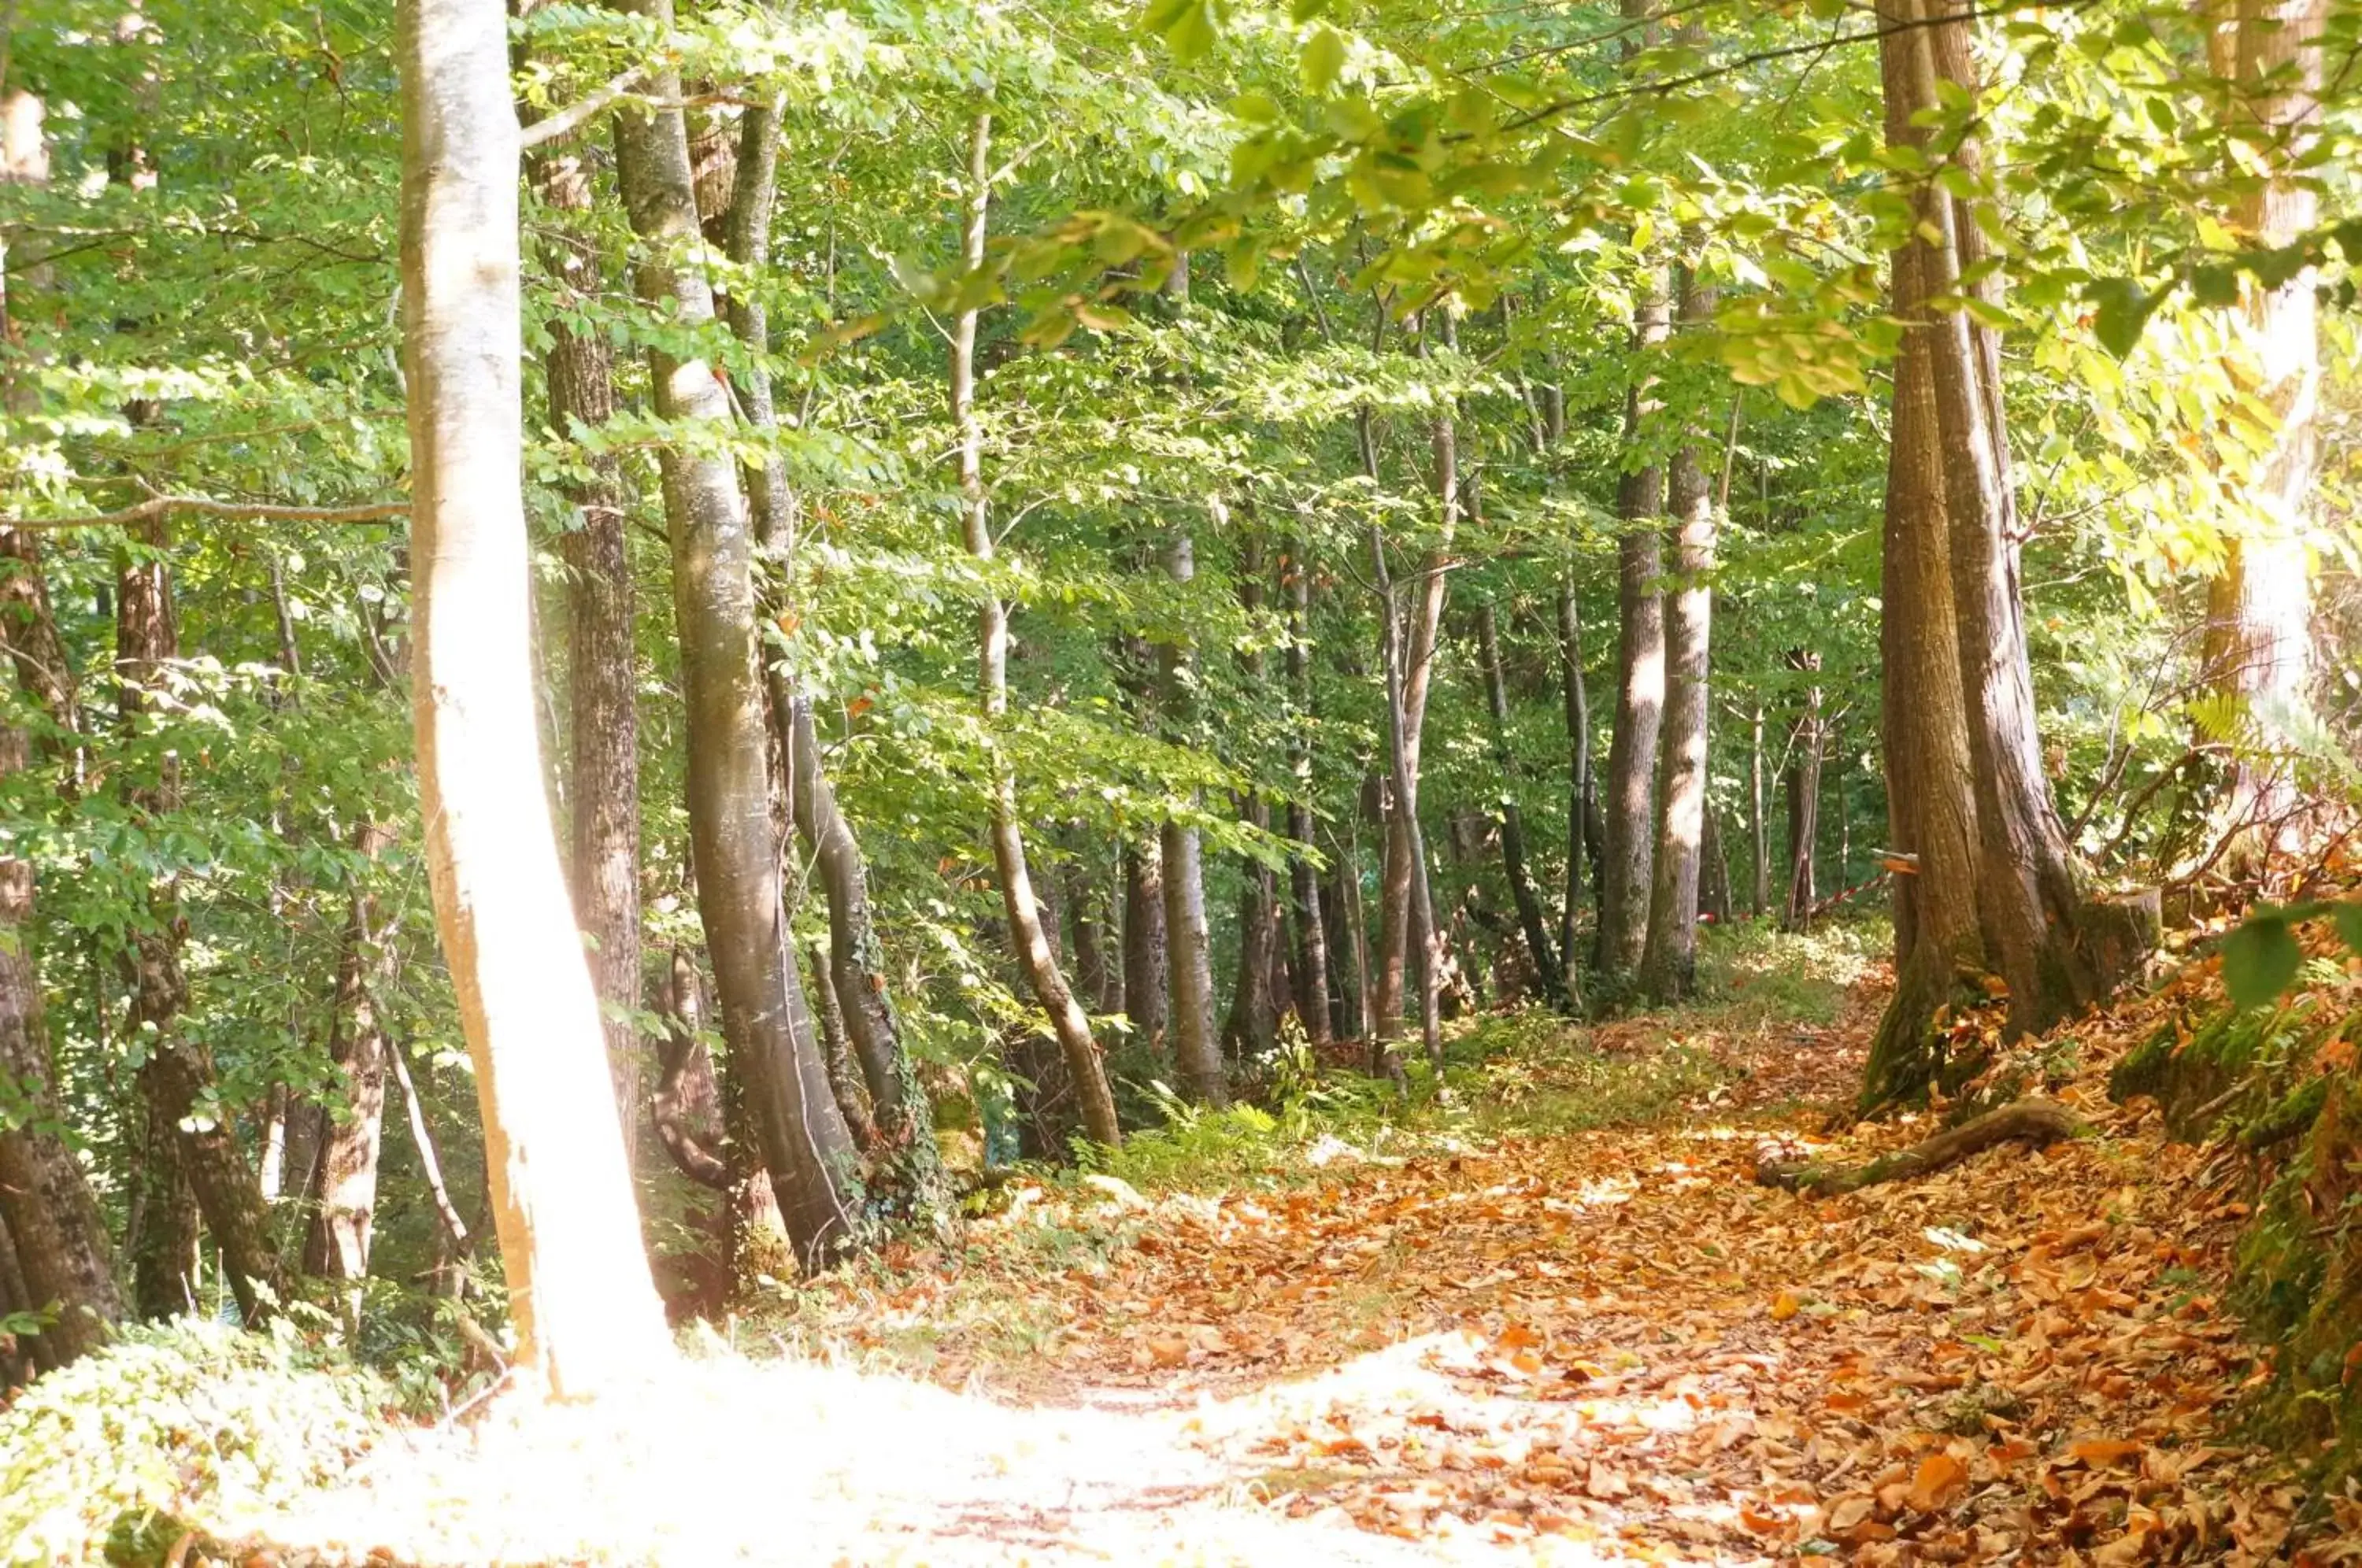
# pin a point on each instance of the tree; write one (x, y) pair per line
(581, 1296)
(773, 1047)
(1068, 1020)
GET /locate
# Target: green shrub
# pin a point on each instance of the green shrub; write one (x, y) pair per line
(102, 1459)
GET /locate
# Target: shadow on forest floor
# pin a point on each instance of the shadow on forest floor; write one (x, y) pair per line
(1491, 1331)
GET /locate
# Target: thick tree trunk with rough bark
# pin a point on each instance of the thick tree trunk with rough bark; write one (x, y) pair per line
(1035, 958)
(1628, 859)
(774, 1050)
(602, 725)
(580, 1293)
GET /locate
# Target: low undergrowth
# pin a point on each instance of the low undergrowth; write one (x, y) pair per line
(104, 1460)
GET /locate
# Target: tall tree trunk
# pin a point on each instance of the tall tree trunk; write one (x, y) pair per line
(1144, 946)
(1403, 824)
(1355, 920)
(905, 1120)
(1099, 967)
(1068, 1020)
(1951, 455)
(581, 1296)
(1586, 832)
(178, 1073)
(344, 1184)
(1312, 1003)
(1196, 1045)
(1627, 861)
(2256, 651)
(1758, 838)
(775, 1050)
(1403, 867)
(46, 1205)
(1253, 1020)
(1803, 787)
(604, 775)
(1513, 823)
(1669, 958)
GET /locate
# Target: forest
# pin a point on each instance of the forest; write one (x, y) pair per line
(1560, 779)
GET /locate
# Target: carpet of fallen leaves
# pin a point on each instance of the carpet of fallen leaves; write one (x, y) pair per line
(1612, 1346)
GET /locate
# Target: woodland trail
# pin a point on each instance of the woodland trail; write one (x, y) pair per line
(1595, 1346)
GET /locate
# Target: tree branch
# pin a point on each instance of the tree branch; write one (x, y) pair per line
(569, 120)
(161, 506)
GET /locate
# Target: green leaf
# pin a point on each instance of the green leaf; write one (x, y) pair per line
(1323, 58)
(2349, 923)
(2124, 310)
(1187, 27)
(2259, 959)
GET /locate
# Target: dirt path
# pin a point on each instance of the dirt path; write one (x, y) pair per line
(1598, 1347)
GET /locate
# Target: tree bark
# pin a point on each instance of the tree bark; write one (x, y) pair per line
(1403, 824)
(1068, 1020)
(1585, 832)
(45, 1204)
(603, 777)
(1312, 1000)
(581, 1296)
(2039, 1123)
(1803, 787)
(177, 1078)
(1513, 825)
(1196, 1045)
(1626, 863)
(1758, 838)
(1145, 946)
(1403, 867)
(2256, 655)
(344, 1185)
(1668, 956)
(1253, 1022)
(774, 1049)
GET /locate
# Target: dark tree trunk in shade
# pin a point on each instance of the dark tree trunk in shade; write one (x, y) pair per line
(1038, 963)
(178, 1073)
(1758, 837)
(1585, 832)
(1144, 946)
(603, 726)
(1548, 973)
(60, 1253)
(1403, 825)
(1099, 967)
(1253, 1022)
(837, 1049)
(1668, 957)
(1312, 949)
(774, 1052)
(1629, 856)
(1714, 873)
(1353, 926)
(686, 1105)
(343, 1189)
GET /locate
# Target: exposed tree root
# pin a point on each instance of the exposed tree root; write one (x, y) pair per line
(2035, 1121)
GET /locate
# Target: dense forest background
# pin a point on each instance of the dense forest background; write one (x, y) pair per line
(1083, 563)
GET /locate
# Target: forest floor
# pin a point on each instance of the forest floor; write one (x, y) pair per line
(1553, 1319)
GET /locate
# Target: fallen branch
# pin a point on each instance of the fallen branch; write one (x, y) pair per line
(2035, 1121)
